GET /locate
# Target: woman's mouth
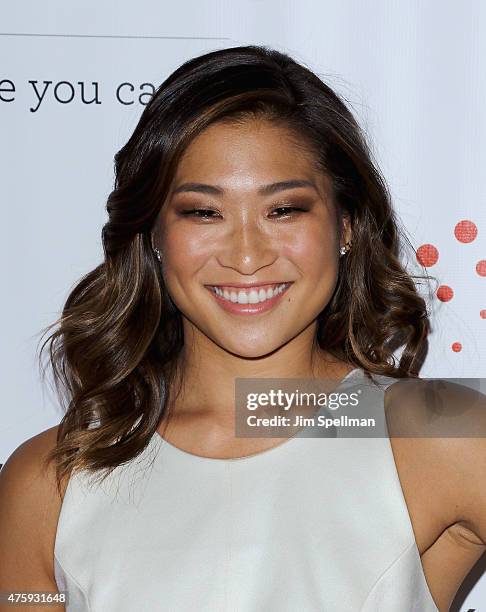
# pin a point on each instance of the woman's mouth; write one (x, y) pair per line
(250, 300)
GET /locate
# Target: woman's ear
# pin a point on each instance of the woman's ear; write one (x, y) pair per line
(346, 229)
(154, 240)
(154, 247)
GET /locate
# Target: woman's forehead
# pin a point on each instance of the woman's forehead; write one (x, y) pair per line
(248, 157)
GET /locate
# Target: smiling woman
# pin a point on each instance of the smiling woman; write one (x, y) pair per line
(250, 236)
(239, 244)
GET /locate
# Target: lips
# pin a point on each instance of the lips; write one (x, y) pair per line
(250, 295)
(250, 300)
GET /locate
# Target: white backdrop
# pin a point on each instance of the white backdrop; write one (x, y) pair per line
(413, 72)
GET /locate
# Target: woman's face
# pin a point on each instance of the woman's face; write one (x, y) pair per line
(266, 221)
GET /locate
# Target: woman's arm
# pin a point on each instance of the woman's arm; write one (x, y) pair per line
(470, 457)
(446, 424)
(29, 510)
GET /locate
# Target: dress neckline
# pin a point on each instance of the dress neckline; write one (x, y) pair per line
(273, 450)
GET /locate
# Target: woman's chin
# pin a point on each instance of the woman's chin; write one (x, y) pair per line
(251, 349)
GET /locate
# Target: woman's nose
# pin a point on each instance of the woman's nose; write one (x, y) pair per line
(247, 248)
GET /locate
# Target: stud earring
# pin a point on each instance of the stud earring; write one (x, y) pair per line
(157, 253)
(344, 249)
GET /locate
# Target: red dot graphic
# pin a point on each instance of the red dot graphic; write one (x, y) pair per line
(481, 267)
(457, 347)
(445, 293)
(465, 231)
(482, 314)
(427, 255)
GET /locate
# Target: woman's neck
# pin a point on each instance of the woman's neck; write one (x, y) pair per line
(209, 373)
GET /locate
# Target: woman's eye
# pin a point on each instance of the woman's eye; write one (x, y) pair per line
(287, 210)
(201, 213)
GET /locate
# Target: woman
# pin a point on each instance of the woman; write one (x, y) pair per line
(250, 236)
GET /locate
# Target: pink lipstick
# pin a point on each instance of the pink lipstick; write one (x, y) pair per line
(248, 299)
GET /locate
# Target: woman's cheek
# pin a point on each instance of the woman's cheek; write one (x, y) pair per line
(311, 252)
(185, 251)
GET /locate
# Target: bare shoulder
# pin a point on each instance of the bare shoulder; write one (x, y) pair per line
(26, 465)
(29, 510)
(439, 428)
(437, 408)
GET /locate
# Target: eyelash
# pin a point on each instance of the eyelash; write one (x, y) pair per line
(193, 211)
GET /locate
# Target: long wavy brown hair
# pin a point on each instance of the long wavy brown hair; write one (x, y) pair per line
(115, 350)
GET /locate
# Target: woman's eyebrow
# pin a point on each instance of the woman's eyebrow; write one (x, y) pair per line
(269, 189)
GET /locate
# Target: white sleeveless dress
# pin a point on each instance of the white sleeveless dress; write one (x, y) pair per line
(310, 525)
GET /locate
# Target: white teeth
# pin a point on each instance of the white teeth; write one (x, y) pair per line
(253, 296)
(242, 298)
